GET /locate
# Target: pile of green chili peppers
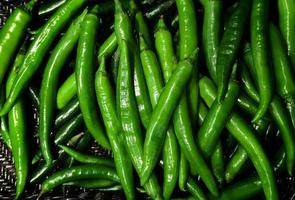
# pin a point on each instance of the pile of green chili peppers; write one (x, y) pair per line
(194, 99)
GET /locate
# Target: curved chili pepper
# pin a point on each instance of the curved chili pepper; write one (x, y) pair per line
(259, 44)
(49, 82)
(245, 136)
(88, 159)
(78, 173)
(285, 82)
(39, 48)
(84, 72)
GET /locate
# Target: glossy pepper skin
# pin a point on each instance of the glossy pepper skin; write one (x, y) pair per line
(49, 83)
(285, 82)
(216, 119)
(162, 114)
(230, 45)
(126, 97)
(78, 173)
(287, 26)
(39, 48)
(87, 159)
(84, 71)
(279, 114)
(245, 135)
(260, 45)
(12, 33)
(211, 34)
(107, 103)
(171, 155)
(153, 76)
(17, 131)
(69, 89)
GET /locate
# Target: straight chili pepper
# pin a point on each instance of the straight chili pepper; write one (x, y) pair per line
(216, 119)
(39, 48)
(230, 45)
(151, 68)
(49, 82)
(259, 44)
(287, 26)
(12, 34)
(84, 72)
(107, 103)
(126, 100)
(93, 184)
(165, 51)
(188, 42)
(18, 131)
(211, 34)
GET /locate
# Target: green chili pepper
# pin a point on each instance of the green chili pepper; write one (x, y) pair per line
(162, 114)
(107, 103)
(48, 89)
(230, 45)
(211, 34)
(154, 81)
(78, 173)
(84, 71)
(278, 113)
(12, 33)
(125, 27)
(87, 159)
(39, 48)
(245, 136)
(259, 44)
(164, 48)
(18, 131)
(126, 100)
(216, 119)
(69, 89)
(285, 82)
(140, 23)
(66, 92)
(287, 26)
